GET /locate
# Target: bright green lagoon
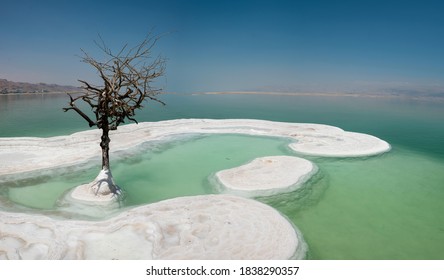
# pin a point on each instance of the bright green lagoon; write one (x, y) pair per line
(384, 207)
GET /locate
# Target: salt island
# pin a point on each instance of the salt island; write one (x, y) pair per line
(267, 175)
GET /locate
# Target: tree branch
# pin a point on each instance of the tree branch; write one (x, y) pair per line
(91, 123)
(127, 76)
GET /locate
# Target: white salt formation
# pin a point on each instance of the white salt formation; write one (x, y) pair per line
(200, 227)
(96, 191)
(267, 175)
(22, 154)
(339, 144)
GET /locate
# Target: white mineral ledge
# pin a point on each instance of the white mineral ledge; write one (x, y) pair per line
(267, 175)
(199, 227)
(25, 154)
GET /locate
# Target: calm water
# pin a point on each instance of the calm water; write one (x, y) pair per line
(384, 207)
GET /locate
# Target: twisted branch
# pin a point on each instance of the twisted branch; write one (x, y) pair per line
(127, 77)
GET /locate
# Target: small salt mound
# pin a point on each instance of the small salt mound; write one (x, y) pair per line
(267, 175)
(98, 191)
(200, 227)
(343, 144)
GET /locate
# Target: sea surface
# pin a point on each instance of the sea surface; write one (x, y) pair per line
(389, 206)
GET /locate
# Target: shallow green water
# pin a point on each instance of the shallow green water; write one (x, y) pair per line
(383, 207)
(185, 167)
(386, 207)
(155, 172)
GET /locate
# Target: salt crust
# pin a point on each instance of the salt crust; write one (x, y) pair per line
(211, 227)
(199, 227)
(96, 191)
(267, 175)
(29, 154)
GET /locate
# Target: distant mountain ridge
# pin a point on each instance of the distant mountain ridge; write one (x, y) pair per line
(21, 87)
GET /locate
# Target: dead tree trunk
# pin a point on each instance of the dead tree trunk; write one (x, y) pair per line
(104, 144)
(104, 99)
(103, 123)
(106, 168)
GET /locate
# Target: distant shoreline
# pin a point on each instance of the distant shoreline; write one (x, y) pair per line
(275, 93)
(323, 94)
(40, 93)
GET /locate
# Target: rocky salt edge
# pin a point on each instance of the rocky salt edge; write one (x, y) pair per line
(138, 233)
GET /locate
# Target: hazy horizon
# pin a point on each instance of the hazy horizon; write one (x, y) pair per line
(299, 46)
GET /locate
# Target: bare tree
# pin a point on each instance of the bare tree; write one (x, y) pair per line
(127, 82)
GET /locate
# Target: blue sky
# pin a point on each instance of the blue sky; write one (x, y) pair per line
(327, 46)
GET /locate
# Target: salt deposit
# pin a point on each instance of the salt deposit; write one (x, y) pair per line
(342, 144)
(200, 227)
(267, 175)
(28, 154)
(96, 191)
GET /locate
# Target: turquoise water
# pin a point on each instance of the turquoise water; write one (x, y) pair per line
(383, 207)
(180, 167)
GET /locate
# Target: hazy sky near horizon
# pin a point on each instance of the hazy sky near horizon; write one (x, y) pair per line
(295, 45)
